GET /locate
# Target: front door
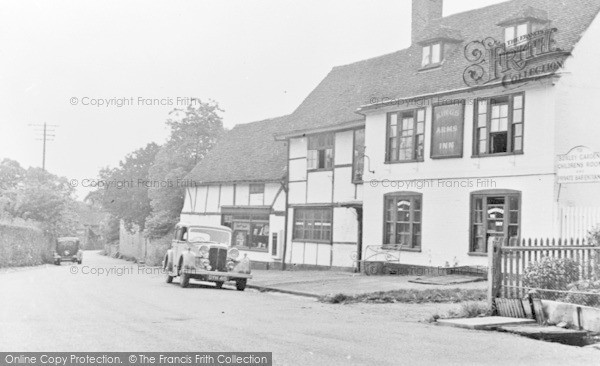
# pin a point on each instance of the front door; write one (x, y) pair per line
(495, 217)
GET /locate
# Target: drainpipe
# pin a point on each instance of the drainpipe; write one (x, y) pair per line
(284, 186)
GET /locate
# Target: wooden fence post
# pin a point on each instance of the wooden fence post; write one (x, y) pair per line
(494, 270)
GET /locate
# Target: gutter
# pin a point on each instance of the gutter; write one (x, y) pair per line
(400, 101)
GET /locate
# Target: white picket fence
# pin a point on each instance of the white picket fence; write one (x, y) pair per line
(576, 222)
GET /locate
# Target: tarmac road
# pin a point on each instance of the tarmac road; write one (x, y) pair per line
(89, 308)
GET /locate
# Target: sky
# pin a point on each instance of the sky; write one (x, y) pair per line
(107, 73)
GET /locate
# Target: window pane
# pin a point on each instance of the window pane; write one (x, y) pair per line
(436, 53)
(518, 144)
(503, 124)
(393, 119)
(518, 102)
(420, 127)
(504, 110)
(426, 55)
(482, 120)
(482, 147)
(495, 111)
(421, 115)
(417, 216)
(417, 203)
(509, 34)
(495, 125)
(482, 106)
(518, 116)
(522, 30)
(312, 159)
(514, 203)
(328, 158)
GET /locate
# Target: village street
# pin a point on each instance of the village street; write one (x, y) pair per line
(53, 308)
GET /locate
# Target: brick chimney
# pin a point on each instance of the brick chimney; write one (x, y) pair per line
(423, 12)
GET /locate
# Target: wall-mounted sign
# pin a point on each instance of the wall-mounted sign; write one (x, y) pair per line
(447, 131)
(580, 165)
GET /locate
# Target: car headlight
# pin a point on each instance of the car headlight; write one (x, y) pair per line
(233, 253)
(204, 251)
(230, 266)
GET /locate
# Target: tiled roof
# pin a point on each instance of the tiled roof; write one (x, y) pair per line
(529, 13)
(440, 33)
(247, 153)
(394, 76)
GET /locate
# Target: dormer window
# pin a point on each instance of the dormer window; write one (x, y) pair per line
(432, 54)
(515, 35)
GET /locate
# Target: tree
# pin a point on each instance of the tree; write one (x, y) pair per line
(194, 131)
(11, 175)
(34, 194)
(123, 191)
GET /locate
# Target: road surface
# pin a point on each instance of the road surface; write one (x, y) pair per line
(51, 308)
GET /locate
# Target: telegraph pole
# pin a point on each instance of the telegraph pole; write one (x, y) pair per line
(47, 134)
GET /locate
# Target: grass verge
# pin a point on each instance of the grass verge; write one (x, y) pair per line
(410, 296)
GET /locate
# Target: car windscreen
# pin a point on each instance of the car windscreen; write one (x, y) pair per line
(208, 235)
(67, 246)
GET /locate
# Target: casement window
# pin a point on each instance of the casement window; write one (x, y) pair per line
(514, 35)
(406, 136)
(499, 125)
(250, 231)
(494, 214)
(320, 152)
(313, 224)
(257, 194)
(432, 54)
(402, 219)
(358, 163)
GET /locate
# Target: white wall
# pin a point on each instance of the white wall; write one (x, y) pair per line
(446, 211)
(446, 218)
(578, 92)
(332, 187)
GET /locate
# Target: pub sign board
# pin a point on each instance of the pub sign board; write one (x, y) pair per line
(447, 130)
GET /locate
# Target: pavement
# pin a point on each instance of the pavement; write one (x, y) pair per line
(107, 304)
(322, 283)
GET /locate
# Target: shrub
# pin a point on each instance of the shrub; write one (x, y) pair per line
(590, 286)
(551, 274)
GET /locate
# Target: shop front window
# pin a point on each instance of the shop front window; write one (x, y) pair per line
(249, 231)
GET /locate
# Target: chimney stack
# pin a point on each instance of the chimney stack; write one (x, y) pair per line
(423, 12)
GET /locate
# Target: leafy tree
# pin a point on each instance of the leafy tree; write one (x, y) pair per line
(34, 194)
(123, 191)
(194, 131)
(11, 175)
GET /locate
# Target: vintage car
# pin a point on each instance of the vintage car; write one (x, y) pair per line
(205, 253)
(67, 250)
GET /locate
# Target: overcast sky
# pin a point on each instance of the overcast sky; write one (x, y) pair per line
(257, 59)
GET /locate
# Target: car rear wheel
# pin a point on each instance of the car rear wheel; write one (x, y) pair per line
(57, 262)
(240, 285)
(219, 284)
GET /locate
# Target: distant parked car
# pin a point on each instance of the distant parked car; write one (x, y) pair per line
(67, 250)
(205, 253)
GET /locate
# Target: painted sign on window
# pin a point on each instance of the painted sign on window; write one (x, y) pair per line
(447, 131)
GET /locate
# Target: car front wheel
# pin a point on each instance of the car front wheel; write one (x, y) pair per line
(240, 285)
(184, 280)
